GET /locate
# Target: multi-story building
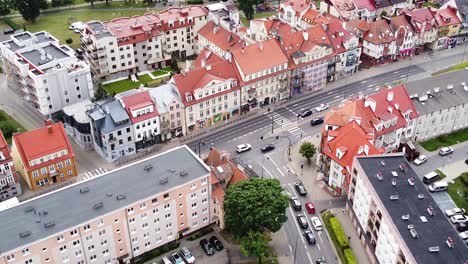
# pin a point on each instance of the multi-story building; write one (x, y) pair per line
(46, 74)
(292, 11)
(144, 117)
(404, 35)
(77, 125)
(396, 218)
(112, 130)
(441, 110)
(342, 9)
(157, 200)
(448, 28)
(224, 14)
(264, 73)
(423, 22)
(171, 111)
(462, 13)
(43, 156)
(210, 94)
(366, 10)
(217, 39)
(9, 181)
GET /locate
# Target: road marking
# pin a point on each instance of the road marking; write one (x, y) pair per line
(318, 246)
(282, 174)
(320, 235)
(370, 85)
(306, 138)
(364, 81)
(294, 104)
(308, 255)
(338, 96)
(396, 71)
(403, 75)
(330, 92)
(297, 225)
(294, 129)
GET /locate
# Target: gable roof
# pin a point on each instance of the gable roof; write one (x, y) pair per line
(220, 36)
(397, 22)
(379, 32)
(206, 57)
(338, 36)
(365, 4)
(420, 17)
(299, 6)
(446, 16)
(313, 16)
(137, 101)
(344, 7)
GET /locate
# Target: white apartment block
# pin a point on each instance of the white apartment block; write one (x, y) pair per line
(102, 222)
(46, 74)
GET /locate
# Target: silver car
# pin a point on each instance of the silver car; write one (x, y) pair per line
(187, 255)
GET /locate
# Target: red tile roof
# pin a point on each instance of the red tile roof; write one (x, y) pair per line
(420, 17)
(298, 6)
(338, 36)
(206, 57)
(365, 4)
(379, 33)
(137, 26)
(41, 142)
(344, 7)
(173, 14)
(137, 101)
(218, 193)
(260, 56)
(446, 16)
(4, 149)
(400, 21)
(220, 37)
(316, 17)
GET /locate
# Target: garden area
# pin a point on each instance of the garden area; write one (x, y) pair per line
(458, 191)
(145, 80)
(9, 126)
(446, 140)
(338, 238)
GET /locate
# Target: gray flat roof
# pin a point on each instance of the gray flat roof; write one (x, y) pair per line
(444, 98)
(110, 115)
(431, 234)
(78, 110)
(34, 56)
(68, 207)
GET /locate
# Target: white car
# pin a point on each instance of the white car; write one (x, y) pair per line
(316, 223)
(459, 219)
(420, 160)
(454, 211)
(445, 151)
(321, 107)
(464, 235)
(243, 148)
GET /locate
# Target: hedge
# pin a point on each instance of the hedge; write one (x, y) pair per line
(349, 256)
(10, 23)
(155, 252)
(339, 233)
(441, 174)
(195, 2)
(200, 233)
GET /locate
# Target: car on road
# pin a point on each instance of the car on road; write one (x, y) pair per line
(454, 211)
(316, 121)
(267, 147)
(462, 227)
(216, 243)
(296, 204)
(187, 255)
(316, 223)
(207, 247)
(438, 187)
(243, 148)
(176, 259)
(309, 236)
(459, 219)
(7, 31)
(302, 221)
(445, 151)
(305, 113)
(321, 107)
(320, 260)
(420, 160)
(300, 188)
(310, 208)
(464, 235)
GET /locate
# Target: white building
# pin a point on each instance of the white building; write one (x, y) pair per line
(291, 11)
(48, 75)
(396, 218)
(224, 14)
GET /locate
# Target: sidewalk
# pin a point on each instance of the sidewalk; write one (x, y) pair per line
(454, 170)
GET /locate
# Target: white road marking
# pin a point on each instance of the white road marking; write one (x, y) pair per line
(396, 71)
(403, 75)
(306, 137)
(330, 92)
(294, 129)
(338, 96)
(364, 81)
(370, 85)
(282, 174)
(297, 225)
(318, 246)
(294, 104)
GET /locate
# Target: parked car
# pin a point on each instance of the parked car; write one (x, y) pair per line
(302, 220)
(207, 247)
(300, 188)
(464, 235)
(310, 208)
(305, 113)
(420, 160)
(462, 227)
(296, 204)
(216, 243)
(7, 31)
(187, 255)
(309, 236)
(268, 147)
(454, 211)
(243, 148)
(431, 177)
(165, 260)
(466, 161)
(445, 151)
(316, 223)
(176, 259)
(316, 121)
(438, 187)
(321, 107)
(320, 260)
(459, 219)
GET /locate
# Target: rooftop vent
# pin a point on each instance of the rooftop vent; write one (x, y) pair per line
(414, 233)
(423, 219)
(121, 197)
(394, 174)
(449, 86)
(423, 98)
(394, 181)
(84, 190)
(183, 173)
(38, 220)
(98, 205)
(171, 171)
(109, 194)
(25, 233)
(148, 168)
(434, 249)
(29, 209)
(164, 180)
(405, 217)
(394, 197)
(402, 167)
(43, 212)
(420, 196)
(49, 224)
(379, 176)
(411, 181)
(436, 89)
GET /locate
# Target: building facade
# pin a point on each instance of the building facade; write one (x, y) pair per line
(77, 125)
(9, 181)
(44, 156)
(46, 74)
(292, 11)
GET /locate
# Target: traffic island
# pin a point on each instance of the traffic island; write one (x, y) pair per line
(338, 238)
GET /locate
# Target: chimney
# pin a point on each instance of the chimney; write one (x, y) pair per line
(242, 50)
(48, 122)
(261, 46)
(390, 96)
(305, 35)
(49, 129)
(203, 63)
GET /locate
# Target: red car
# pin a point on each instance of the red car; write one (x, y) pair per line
(310, 208)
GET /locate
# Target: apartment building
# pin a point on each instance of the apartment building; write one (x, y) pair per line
(43, 156)
(462, 14)
(45, 73)
(396, 218)
(209, 94)
(342, 9)
(224, 14)
(423, 22)
(111, 129)
(104, 222)
(144, 117)
(217, 39)
(9, 181)
(366, 10)
(292, 11)
(442, 109)
(448, 28)
(171, 111)
(77, 125)
(404, 35)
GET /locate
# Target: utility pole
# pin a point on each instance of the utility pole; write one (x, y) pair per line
(272, 123)
(407, 70)
(295, 247)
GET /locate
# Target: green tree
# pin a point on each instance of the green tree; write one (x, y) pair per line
(29, 9)
(69, 41)
(56, 3)
(43, 4)
(255, 205)
(307, 151)
(100, 93)
(254, 244)
(247, 6)
(5, 7)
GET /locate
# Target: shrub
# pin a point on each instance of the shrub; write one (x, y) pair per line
(339, 233)
(464, 178)
(10, 23)
(69, 41)
(200, 233)
(195, 2)
(443, 138)
(441, 174)
(156, 252)
(349, 256)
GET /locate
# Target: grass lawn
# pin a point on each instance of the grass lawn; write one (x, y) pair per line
(246, 22)
(457, 190)
(8, 125)
(434, 5)
(127, 84)
(460, 66)
(162, 71)
(446, 140)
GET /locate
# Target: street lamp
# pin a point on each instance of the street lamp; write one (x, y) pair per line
(200, 142)
(263, 160)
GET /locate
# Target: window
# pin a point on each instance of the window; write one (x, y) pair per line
(67, 162)
(142, 206)
(166, 196)
(204, 181)
(203, 191)
(194, 205)
(10, 258)
(76, 243)
(100, 222)
(87, 227)
(193, 195)
(28, 261)
(102, 232)
(91, 248)
(167, 206)
(63, 248)
(70, 172)
(60, 238)
(35, 174)
(25, 252)
(43, 171)
(130, 210)
(154, 201)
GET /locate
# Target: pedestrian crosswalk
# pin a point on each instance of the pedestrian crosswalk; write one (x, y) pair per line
(94, 173)
(279, 119)
(297, 132)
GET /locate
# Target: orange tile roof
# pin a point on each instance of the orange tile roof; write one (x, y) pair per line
(316, 17)
(220, 37)
(214, 158)
(298, 6)
(218, 193)
(260, 56)
(40, 142)
(338, 35)
(446, 16)
(238, 175)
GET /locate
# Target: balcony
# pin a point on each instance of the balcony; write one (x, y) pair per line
(112, 140)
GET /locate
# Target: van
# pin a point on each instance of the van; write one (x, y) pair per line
(165, 260)
(431, 177)
(438, 187)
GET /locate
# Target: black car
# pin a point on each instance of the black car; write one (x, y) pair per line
(300, 189)
(316, 121)
(296, 204)
(466, 161)
(305, 113)
(207, 247)
(7, 31)
(461, 227)
(320, 260)
(216, 243)
(268, 147)
(309, 236)
(302, 221)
